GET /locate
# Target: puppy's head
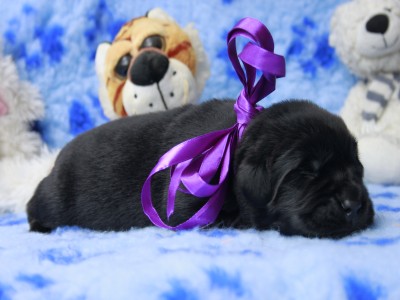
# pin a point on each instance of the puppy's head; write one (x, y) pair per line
(153, 64)
(302, 176)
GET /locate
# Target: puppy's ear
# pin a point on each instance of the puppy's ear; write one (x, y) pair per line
(259, 184)
(283, 165)
(253, 183)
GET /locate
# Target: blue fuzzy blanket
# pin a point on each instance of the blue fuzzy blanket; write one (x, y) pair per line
(154, 263)
(53, 44)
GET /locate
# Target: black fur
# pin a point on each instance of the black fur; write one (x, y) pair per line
(295, 170)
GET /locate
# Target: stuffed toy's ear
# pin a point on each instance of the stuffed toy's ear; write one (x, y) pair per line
(100, 63)
(158, 13)
(202, 64)
(100, 59)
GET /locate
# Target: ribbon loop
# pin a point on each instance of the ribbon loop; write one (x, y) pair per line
(256, 55)
(200, 166)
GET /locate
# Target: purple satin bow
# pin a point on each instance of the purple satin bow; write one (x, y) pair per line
(195, 162)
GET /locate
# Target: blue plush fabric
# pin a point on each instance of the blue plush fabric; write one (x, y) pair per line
(53, 44)
(154, 263)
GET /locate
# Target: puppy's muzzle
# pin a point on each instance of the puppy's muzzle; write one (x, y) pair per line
(351, 202)
(350, 207)
(149, 68)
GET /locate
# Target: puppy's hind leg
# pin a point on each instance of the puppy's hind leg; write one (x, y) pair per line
(35, 225)
(40, 215)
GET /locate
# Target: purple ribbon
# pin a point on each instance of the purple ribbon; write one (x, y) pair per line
(195, 162)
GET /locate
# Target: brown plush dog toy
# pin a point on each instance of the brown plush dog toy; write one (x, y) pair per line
(152, 65)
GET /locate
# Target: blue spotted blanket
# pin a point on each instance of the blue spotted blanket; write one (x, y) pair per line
(53, 44)
(154, 263)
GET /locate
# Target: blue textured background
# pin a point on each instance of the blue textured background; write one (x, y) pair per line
(53, 44)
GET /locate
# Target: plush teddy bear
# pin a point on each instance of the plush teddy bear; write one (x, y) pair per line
(366, 36)
(20, 105)
(24, 159)
(152, 65)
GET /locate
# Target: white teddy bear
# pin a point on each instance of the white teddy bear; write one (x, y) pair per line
(20, 104)
(24, 159)
(366, 36)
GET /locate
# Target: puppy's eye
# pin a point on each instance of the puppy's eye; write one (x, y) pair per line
(388, 9)
(309, 175)
(315, 166)
(154, 41)
(310, 169)
(121, 69)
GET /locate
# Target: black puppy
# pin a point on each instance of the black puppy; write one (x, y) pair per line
(296, 170)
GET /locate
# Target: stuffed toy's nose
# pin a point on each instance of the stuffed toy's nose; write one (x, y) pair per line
(148, 68)
(378, 24)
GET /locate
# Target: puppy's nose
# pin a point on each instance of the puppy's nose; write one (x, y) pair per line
(350, 207)
(148, 68)
(378, 24)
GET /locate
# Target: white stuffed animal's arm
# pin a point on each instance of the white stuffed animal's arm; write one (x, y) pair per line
(379, 93)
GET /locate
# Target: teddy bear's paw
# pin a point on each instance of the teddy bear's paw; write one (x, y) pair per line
(380, 157)
(18, 141)
(368, 127)
(20, 177)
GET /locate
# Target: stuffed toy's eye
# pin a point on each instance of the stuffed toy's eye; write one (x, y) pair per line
(154, 41)
(121, 69)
